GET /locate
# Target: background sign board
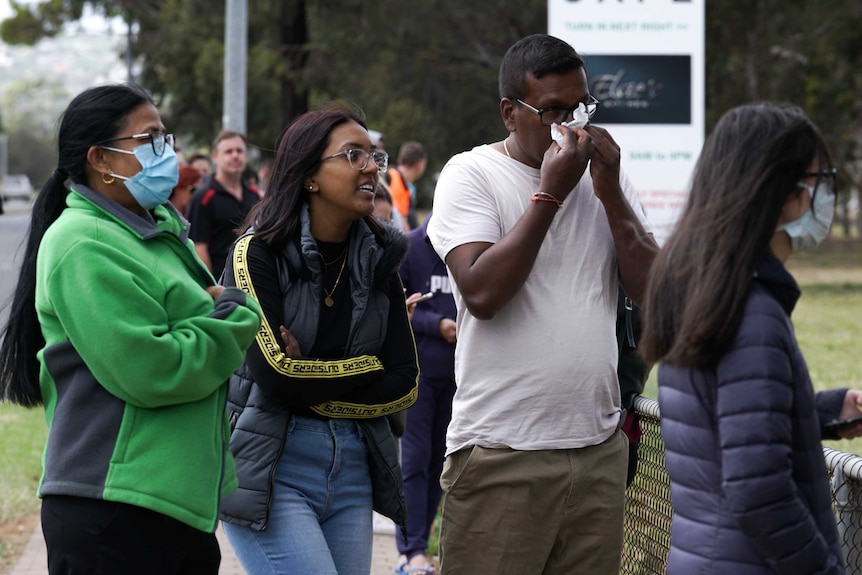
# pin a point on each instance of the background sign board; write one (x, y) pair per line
(645, 64)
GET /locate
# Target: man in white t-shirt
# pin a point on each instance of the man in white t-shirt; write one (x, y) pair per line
(536, 246)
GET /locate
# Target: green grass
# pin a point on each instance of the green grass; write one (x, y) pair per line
(22, 437)
(827, 321)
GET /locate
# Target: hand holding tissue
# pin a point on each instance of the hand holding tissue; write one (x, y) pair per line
(580, 118)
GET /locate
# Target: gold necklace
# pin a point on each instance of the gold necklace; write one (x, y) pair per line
(326, 263)
(506, 148)
(328, 299)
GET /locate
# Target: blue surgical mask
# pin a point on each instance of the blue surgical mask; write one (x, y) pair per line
(812, 228)
(151, 186)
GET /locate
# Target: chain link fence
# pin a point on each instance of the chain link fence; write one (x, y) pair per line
(649, 511)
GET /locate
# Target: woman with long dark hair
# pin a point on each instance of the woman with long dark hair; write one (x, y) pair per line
(119, 331)
(740, 419)
(334, 356)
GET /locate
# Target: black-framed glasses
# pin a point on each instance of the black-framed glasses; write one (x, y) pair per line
(158, 140)
(548, 116)
(358, 159)
(829, 176)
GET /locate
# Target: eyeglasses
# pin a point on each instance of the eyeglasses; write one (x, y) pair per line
(548, 116)
(159, 140)
(358, 159)
(830, 177)
(828, 174)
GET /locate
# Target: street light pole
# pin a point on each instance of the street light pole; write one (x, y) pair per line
(4, 155)
(235, 58)
(130, 61)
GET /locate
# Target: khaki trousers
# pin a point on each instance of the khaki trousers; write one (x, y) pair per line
(552, 512)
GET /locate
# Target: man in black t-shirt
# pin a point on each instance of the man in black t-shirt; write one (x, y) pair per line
(221, 204)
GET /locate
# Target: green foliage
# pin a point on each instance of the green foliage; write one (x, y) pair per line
(32, 154)
(30, 23)
(30, 124)
(24, 28)
(427, 70)
(424, 71)
(24, 112)
(807, 52)
(185, 58)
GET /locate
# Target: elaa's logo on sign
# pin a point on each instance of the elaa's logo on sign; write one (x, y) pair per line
(641, 89)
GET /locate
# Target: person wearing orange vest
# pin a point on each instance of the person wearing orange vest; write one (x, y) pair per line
(412, 161)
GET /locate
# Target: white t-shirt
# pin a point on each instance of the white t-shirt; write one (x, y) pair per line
(542, 373)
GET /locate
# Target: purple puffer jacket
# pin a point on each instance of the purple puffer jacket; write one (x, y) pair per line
(748, 479)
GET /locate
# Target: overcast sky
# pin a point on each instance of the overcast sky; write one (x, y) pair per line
(5, 9)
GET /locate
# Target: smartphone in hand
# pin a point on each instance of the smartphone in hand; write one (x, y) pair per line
(421, 298)
(839, 424)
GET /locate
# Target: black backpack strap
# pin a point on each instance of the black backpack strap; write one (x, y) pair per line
(632, 370)
(630, 333)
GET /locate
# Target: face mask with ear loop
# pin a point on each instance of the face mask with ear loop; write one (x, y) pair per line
(151, 186)
(812, 228)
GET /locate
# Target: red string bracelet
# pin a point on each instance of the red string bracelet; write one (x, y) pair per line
(545, 197)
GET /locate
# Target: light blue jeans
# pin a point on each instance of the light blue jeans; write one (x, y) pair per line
(320, 520)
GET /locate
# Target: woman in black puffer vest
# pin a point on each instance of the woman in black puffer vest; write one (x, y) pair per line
(334, 356)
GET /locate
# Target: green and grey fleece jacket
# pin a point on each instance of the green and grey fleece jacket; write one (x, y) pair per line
(136, 360)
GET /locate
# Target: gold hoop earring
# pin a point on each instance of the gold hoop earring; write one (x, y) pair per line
(106, 181)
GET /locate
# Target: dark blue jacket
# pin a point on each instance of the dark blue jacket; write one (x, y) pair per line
(422, 271)
(748, 479)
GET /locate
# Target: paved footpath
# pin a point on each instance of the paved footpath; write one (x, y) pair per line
(384, 557)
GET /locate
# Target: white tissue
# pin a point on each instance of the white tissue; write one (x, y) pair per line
(580, 118)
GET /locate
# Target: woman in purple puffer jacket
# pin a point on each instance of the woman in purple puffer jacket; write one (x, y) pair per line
(740, 418)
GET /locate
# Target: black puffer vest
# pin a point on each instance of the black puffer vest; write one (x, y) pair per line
(259, 428)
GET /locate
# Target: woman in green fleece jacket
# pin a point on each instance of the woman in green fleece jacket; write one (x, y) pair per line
(119, 331)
